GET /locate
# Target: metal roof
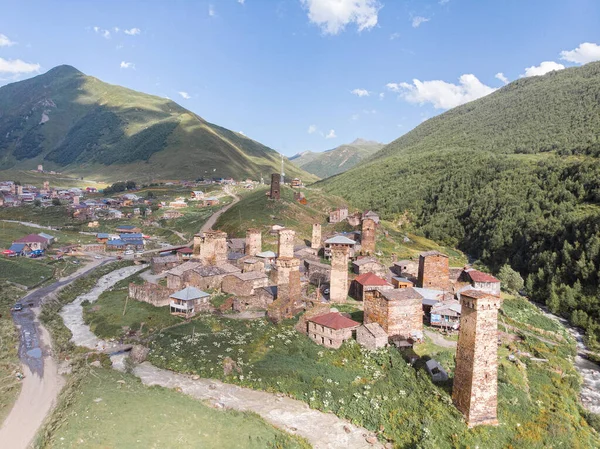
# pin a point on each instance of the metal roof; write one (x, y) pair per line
(189, 294)
(340, 240)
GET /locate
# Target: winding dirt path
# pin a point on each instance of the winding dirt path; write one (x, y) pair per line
(214, 217)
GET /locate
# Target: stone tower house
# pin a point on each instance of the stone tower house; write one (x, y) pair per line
(338, 289)
(212, 247)
(369, 229)
(46, 185)
(285, 244)
(434, 271)
(316, 236)
(253, 242)
(475, 390)
(398, 311)
(275, 186)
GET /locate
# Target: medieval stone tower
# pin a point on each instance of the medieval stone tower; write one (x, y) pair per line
(288, 278)
(369, 229)
(275, 186)
(253, 242)
(285, 244)
(213, 247)
(316, 236)
(434, 271)
(46, 186)
(475, 390)
(338, 290)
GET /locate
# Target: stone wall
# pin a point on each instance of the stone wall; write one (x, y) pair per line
(434, 271)
(475, 390)
(195, 279)
(318, 273)
(285, 243)
(154, 294)
(325, 336)
(339, 273)
(316, 236)
(369, 230)
(244, 284)
(253, 242)
(160, 264)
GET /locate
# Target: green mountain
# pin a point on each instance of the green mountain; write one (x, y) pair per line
(511, 178)
(337, 160)
(80, 125)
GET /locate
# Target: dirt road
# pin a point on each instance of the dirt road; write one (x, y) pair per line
(42, 382)
(214, 217)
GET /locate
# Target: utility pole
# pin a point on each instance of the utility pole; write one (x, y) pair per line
(282, 172)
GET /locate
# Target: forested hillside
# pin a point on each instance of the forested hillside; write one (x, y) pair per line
(513, 177)
(78, 124)
(337, 160)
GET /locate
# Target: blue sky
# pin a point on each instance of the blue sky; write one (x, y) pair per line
(302, 75)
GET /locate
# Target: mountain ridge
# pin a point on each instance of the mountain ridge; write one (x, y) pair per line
(81, 125)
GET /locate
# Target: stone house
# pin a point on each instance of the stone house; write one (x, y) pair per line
(236, 245)
(339, 240)
(211, 201)
(331, 330)
(398, 312)
(434, 271)
(154, 294)
(481, 281)
(209, 276)
(184, 254)
(318, 273)
(163, 263)
(368, 265)
(253, 264)
(406, 268)
(197, 195)
(176, 276)
(244, 284)
(338, 215)
(371, 336)
(189, 301)
(368, 284)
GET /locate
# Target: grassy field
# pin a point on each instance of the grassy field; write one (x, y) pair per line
(107, 409)
(9, 358)
(45, 216)
(56, 180)
(9, 232)
(24, 271)
(538, 404)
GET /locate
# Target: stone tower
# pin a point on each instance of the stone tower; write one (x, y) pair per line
(338, 290)
(213, 247)
(285, 244)
(475, 390)
(275, 186)
(253, 242)
(75, 200)
(434, 271)
(369, 229)
(197, 245)
(46, 185)
(19, 190)
(316, 236)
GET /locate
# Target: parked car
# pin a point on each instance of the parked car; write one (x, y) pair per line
(129, 252)
(97, 256)
(18, 307)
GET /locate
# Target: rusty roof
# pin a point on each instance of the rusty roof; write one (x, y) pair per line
(370, 279)
(480, 276)
(334, 320)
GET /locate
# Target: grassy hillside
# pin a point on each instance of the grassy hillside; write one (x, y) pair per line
(513, 177)
(80, 125)
(337, 160)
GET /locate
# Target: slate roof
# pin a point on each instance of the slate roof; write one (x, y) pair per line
(216, 270)
(340, 240)
(375, 330)
(334, 320)
(433, 253)
(186, 266)
(266, 254)
(475, 294)
(364, 261)
(371, 279)
(401, 279)
(189, 294)
(250, 275)
(402, 294)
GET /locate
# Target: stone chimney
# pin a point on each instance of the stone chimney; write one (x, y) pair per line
(253, 242)
(316, 236)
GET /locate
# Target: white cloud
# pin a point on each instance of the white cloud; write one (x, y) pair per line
(354, 117)
(360, 92)
(501, 77)
(369, 111)
(17, 66)
(184, 95)
(106, 34)
(543, 68)
(127, 65)
(333, 15)
(96, 29)
(211, 11)
(242, 132)
(133, 31)
(381, 95)
(440, 94)
(443, 2)
(241, 2)
(418, 20)
(116, 29)
(312, 129)
(5, 41)
(394, 36)
(331, 134)
(586, 52)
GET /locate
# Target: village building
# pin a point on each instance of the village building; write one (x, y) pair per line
(155, 294)
(368, 284)
(401, 282)
(354, 219)
(317, 273)
(275, 191)
(50, 238)
(369, 236)
(331, 330)
(339, 240)
(179, 203)
(371, 336)
(189, 301)
(236, 245)
(245, 285)
(368, 265)
(197, 195)
(211, 247)
(184, 254)
(18, 249)
(434, 271)
(481, 281)
(338, 215)
(128, 229)
(339, 272)
(171, 214)
(211, 201)
(253, 264)
(475, 389)
(406, 268)
(163, 263)
(285, 243)
(102, 237)
(445, 314)
(398, 312)
(176, 276)
(370, 215)
(268, 259)
(34, 241)
(209, 276)
(296, 183)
